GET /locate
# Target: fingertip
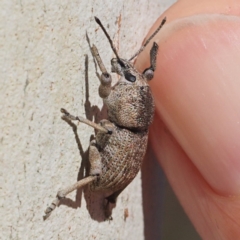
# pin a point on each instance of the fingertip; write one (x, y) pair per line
(195, 89)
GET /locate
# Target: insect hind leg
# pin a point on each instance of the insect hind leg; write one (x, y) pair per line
(63, 193)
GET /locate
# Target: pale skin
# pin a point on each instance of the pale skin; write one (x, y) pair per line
(195, 134)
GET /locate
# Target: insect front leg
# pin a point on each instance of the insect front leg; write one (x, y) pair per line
(149, 72)
(105, 79)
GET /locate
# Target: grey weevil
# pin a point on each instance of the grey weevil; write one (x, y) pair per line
(120, 144)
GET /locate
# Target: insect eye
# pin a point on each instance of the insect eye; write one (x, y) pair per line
(129, 77)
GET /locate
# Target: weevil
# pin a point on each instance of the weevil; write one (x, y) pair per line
(117, 152)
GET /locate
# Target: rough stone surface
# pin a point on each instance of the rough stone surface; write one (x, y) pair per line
(42, 63)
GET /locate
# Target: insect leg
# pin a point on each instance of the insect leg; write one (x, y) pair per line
(62, 193)
(70, 117)
(105, 79)
(149, 72)
(111, 199)
(95, 160)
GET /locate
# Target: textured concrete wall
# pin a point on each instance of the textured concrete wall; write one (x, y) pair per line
(43, 68)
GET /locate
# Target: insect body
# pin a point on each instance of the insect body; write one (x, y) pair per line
(117, 152)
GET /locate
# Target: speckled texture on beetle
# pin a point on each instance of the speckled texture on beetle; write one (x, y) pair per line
(117, 152)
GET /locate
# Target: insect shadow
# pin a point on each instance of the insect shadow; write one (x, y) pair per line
(95, 201)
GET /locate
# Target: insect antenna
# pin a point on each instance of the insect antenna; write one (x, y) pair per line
(109, 39)
(149, 39)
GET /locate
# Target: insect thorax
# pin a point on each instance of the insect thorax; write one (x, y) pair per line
(130, 106)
